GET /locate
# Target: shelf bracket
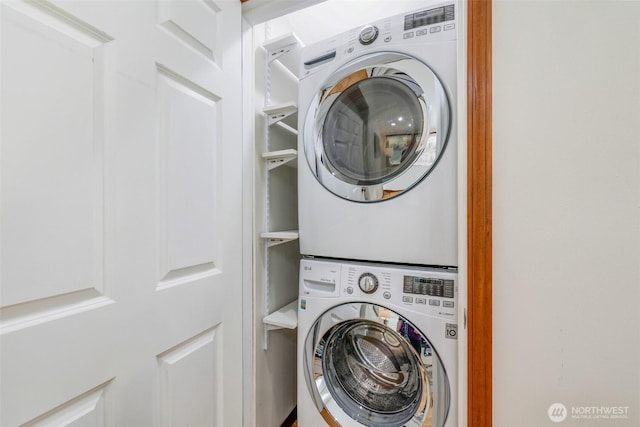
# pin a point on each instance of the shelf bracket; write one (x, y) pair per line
(273, 238)
(280, 46)
(279, 158)
(276, 113)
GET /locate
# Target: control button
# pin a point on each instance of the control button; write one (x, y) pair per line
(448, 289)
(387, 39)
(448, 27)
(368, 34)
(449, 13)
(387, 295)
(447, 304)
(451, 331)
(368, 283)
(407, 287)
(421, 300)
(349, 290)
(422, 32)
(407, 299)
(408, 35)
(435, 29)
(434, 302)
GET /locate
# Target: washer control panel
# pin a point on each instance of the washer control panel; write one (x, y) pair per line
(431, 291)
(426, 290)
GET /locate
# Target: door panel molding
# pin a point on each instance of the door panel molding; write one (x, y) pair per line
(53, 189)
(190, 372)
(89, 408)
(479, 200)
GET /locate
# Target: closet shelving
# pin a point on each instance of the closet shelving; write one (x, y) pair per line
(281, 251)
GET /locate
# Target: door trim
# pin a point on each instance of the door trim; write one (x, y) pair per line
(479, 214)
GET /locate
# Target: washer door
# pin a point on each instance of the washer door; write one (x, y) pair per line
(377, 127)
(366, 365)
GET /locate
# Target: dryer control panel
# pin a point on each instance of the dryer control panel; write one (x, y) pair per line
(431, 25)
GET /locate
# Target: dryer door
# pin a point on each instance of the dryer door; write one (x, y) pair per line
(377, 127)
(366, 365)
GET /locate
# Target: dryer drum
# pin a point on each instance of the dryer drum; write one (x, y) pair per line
(369, 366)
(377, 127)
(373, 130)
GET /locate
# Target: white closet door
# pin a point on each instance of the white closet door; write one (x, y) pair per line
(120, 249)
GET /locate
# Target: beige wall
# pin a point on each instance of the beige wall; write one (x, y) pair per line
(566, 209)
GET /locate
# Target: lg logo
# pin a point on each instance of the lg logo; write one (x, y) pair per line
(557, 412)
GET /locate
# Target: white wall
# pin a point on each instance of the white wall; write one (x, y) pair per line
(566, 164)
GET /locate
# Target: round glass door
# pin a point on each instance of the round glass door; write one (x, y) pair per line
(370, 366)
(366, 365)
(377, 128)
(372, 131)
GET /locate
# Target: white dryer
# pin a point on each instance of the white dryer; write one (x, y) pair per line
(377, 141)
(377, 345)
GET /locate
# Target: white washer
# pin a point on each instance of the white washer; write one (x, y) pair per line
(377, 142)
(377, 345)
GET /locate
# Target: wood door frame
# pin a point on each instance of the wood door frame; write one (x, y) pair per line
(479, 214)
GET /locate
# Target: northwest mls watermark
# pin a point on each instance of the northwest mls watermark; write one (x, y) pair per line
(557, 412)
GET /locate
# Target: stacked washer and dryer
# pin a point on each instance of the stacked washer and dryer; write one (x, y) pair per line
(377, 314)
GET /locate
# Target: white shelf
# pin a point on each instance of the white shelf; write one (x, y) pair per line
(276, 113)
(277, 237)
(279, 158)
(286, 49)
(285, 318)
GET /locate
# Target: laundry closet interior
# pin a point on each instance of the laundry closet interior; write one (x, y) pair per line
(273, 38)
(175, 248)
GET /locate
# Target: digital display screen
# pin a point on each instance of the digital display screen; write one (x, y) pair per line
(433, 12)
(428, 286)
(429, 17)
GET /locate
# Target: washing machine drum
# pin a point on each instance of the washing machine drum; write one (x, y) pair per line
(377, 128)
(368, 365)
(375, 369)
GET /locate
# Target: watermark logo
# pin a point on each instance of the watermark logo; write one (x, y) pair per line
(557, 412)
